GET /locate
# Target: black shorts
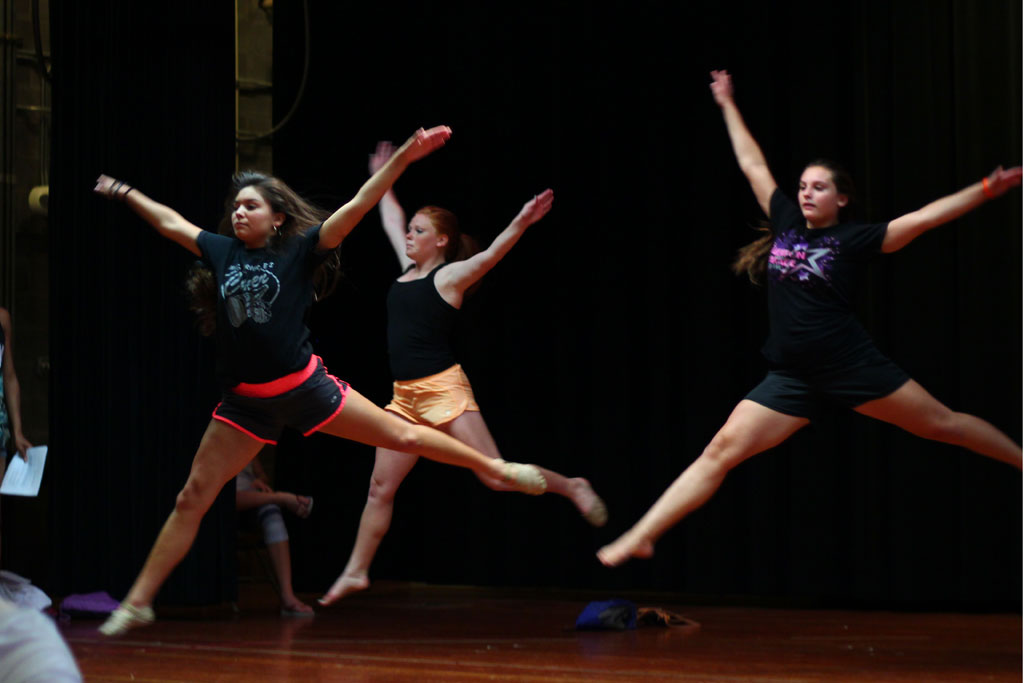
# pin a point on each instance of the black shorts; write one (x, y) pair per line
(800, 393)
(305, 400)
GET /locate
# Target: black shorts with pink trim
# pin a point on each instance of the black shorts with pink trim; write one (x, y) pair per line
(305, 400)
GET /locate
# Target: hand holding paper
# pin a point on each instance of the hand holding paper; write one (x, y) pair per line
(25, 475)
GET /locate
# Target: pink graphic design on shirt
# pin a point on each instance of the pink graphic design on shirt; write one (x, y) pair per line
(793, 258)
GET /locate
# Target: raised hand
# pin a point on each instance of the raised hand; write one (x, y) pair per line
(423, 142)
(1001, 180)
(536, 208)
(103, 185)
(111, 188)
(721, 86)
(381, 155)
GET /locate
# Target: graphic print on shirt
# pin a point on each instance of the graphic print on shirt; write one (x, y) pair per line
(793, 258)
(248, 292)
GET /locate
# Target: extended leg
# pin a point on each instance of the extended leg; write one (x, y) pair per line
(222, 453)
(750, 429)
(389, 471)
(915, 410)
(362, 421)
(470, 428)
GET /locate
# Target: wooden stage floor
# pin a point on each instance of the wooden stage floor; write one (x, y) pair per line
(414, 632)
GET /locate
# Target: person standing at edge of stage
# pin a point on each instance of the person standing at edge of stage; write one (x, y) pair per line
(430, 388)
(266, 274)
(816, 348)
(11, 434)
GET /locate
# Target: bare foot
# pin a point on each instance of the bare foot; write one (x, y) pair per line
(295, 608)
(587, 502)
(629, 544)
(344, 586)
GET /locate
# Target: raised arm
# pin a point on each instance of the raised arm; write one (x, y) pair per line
(905, 229)
(392, 217)
(748, 153)
(166, 220)
(341, 222)
(453, 280)
(12, 388)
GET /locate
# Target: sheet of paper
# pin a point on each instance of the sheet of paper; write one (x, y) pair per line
(23, 478)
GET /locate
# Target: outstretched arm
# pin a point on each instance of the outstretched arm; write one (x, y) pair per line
(392, 217)
(12, 389)
(456, 278)
(166, 220)
(903, 230)
(748, 153)
(341, 222)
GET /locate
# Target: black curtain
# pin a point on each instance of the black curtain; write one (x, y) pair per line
(143, 92)
(613, 341)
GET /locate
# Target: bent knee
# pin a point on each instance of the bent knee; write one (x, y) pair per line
(945, 426)
(723, 452)
(408, 439)
(189, 500)
(196, 496)
(382, 490)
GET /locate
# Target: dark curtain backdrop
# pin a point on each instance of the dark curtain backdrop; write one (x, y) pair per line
(143, 92)
(613, 341)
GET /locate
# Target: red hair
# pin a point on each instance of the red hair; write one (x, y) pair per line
(460, 246)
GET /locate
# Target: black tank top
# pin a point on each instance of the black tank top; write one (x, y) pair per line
(419, 326)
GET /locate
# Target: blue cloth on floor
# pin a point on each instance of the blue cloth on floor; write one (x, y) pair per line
(607, 615)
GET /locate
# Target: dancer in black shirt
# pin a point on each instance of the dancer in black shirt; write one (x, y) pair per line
(264, 278)
(816, 348)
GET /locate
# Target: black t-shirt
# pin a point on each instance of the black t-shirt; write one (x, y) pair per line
(419, 327)
(262, 298)
(813, 276)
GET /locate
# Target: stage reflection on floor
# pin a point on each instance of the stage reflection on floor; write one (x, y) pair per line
(414, 632)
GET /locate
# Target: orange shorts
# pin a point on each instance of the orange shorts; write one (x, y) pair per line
(433, 400)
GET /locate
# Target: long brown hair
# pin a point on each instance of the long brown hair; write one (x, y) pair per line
(300, 215)
(460, 245)
(752, 259)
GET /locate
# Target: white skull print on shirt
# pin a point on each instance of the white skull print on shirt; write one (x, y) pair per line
(248, 291)
(263, 297)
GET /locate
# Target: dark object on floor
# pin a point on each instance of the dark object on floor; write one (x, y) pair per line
(607, 615)
(656, 616)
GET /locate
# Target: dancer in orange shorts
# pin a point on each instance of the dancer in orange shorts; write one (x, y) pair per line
(430, 386)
